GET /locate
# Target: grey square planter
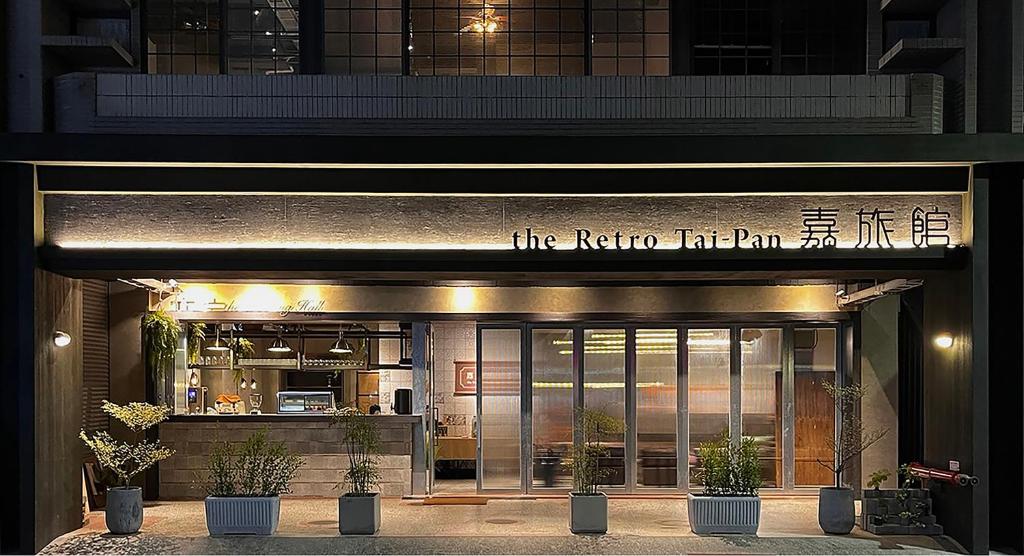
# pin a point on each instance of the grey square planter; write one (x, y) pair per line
(359, 514)
(716, 515)
(240, 515)
(588, 513)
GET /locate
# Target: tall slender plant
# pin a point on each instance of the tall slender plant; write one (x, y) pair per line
(362, 442)
(160, 334)
(584, 459)
(853, 436)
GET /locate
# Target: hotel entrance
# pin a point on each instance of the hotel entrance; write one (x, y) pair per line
(668, 387)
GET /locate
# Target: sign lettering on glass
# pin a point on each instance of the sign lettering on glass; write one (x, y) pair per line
(820, 228)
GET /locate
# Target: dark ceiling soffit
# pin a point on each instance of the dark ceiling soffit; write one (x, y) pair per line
(520, 180)
(418, 265)
(392, 149)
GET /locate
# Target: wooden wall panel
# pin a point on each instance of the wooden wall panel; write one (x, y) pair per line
(58, 400)
(95, 354)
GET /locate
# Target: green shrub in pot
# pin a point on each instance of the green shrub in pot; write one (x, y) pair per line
(731, 475)
(125, 460)
(245, 483)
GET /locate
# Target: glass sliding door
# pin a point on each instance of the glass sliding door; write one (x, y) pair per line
(814, 416)
(656, 417)
(552, 405)
(708, 364)
(761, 397)
(498, 382)
(604, 391)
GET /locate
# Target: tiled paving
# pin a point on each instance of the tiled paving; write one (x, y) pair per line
(508, 526)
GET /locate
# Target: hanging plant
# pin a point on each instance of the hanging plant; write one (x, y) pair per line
(160, 334)
(244, 349)
(196, 336)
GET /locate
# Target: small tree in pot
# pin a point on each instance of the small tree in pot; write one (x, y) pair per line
(731, 474)
(588, 507)
(836, 513)
(359, 508)
(126, 460)
(245, 485)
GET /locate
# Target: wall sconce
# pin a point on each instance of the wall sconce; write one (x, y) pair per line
(944, 340)
(61, 339)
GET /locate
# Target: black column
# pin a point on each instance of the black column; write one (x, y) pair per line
(1006, 343)
(911, 376)
(17, 396)
(311, 36)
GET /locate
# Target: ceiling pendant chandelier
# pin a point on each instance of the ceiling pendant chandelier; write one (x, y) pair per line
(341, 345)
(279, 345)
(483, 22)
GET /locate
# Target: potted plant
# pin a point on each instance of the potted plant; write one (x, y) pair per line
(731, 474)
(196, 336)
(126, 460)
(245, 485)
(836, 514)
(359, 508)
(588, 507)
(160, 334)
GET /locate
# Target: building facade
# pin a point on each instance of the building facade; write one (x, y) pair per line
(684, 214)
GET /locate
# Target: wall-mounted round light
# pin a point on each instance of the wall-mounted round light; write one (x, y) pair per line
(61, 339)
(944, 340)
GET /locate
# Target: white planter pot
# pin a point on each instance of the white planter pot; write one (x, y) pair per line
(359, 514)
(716, 515)
(588, 513)
(124, 510)
(239, 515)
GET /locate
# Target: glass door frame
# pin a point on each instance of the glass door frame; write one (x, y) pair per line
(846, 371)
(525, 434)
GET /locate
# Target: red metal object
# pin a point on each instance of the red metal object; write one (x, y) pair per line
(946, 476)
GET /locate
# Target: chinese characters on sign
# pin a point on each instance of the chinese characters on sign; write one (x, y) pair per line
(820, 228)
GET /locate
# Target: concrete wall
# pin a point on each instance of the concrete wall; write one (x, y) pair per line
(879, 373)
(315, 440)
(864, 104)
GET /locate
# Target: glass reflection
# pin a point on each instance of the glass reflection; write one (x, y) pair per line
(814, 354)
(708, 381)
(761, 400)
(499, 418)
(604, 390)
(552, 406)
(656, 407)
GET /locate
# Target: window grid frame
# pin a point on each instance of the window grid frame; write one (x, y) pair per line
(645, 11)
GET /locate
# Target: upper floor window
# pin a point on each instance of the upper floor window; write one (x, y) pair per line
(822, 37)
(630, 37)
(363, 37)
(732, 37)
(183, 36)
(263, 36)
(511, 37)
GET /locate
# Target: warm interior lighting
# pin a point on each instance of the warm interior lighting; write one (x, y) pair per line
(252, 383)
(944, 340)
(464, 298)
(61, 339)
(218, 344)
(193, 379)
(483, 22)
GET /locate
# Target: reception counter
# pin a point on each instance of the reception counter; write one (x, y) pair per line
(311, 436)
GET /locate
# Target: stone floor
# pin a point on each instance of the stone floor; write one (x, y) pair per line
(504, 526)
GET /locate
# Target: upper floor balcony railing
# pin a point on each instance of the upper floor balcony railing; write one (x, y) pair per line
(330, 104)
